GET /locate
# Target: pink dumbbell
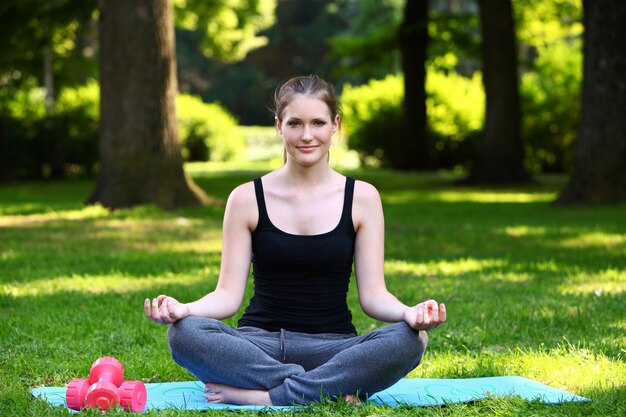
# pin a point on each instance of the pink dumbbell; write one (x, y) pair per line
(104, 389)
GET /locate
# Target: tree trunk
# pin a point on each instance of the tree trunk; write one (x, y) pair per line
(413, 153)
(599, 173)
(500, 155)
(140, 158)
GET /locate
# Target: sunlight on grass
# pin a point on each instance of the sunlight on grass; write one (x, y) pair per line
(480, 196)
(564, 367)
(444, 267)
(533, 290)
(594, 239)
(96, 284)
(88, 212)
(194, 235)
(608, 281)
(519, 231)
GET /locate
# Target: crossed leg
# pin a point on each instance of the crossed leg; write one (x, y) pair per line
(240, 368)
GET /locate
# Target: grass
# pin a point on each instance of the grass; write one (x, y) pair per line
(532, 289)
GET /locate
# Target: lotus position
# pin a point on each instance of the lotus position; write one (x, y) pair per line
(302, 228)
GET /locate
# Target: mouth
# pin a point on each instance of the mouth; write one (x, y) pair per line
(307, 148)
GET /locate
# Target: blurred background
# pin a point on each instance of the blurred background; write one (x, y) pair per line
(425, 85)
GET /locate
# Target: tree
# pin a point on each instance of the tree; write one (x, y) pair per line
(229, 28)
(32, 32)
(599, 173)
(500, 155)
(413, 47)
(140, 156)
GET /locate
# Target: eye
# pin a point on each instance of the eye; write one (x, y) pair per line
(319, 122)
(293, 123)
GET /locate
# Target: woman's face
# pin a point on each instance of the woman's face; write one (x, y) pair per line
(307, 128)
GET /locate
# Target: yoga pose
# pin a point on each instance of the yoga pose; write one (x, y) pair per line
(302, 228)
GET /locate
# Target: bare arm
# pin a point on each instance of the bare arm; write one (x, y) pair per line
(240, 218)
(374, 297)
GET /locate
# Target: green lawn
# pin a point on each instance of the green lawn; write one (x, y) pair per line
(531, 289)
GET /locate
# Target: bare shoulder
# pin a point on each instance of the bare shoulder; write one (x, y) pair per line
(242, 194)
(242, 205)
(365, 193)
(367, 206)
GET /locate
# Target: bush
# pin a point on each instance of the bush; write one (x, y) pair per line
(551, 107)
(207, 131)
(373, 119)
(455, 108)
(550, 100)
(456, 113)
(36, 146)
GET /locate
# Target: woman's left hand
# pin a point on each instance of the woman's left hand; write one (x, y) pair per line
(426, 315)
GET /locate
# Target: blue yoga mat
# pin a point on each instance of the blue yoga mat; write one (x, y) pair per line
(406, 392)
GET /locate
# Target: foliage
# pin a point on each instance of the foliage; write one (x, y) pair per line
(207, 131)
(31, 26)
(551, 107)
(551, 58)
(373, 118)
(524, 284)
(298, 43)
(454, 37)
(34, 145)
(456, 111)
(542, 24)
(369, 47)
(38, 146)
(230, 27)
(455, 108)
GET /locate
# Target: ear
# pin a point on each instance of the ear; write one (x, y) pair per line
(336, 123)
(277, 124)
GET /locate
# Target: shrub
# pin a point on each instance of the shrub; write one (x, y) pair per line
(373, 118)
(36, 146)
(456, 113)
(207, 131)
(551, 107)
(455, 108)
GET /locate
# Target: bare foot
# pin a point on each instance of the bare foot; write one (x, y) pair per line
(226, 394)
(352, 399)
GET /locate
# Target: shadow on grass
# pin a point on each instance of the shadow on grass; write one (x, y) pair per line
(518, 301)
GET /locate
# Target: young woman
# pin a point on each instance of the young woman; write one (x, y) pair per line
(302, 228)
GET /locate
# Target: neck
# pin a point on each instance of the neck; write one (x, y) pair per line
(304, 175)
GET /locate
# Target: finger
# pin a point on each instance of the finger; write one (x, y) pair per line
(163, 313)
(419, 315)
(161, 298)
(171, 309)
(427, 315)
(442, 313)
(156, 316)
(170, 306)
(146, 307)
(166, 311)
(435, 312)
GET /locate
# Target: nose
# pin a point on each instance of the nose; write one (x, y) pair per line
(306, 134)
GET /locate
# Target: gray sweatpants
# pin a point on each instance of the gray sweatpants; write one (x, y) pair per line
(296, 368)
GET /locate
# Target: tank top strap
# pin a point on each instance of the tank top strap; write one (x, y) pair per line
(260, 202)
(346, 215)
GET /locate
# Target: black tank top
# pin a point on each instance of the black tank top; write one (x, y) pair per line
(301, 281)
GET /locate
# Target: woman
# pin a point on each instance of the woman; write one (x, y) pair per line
(302, 227)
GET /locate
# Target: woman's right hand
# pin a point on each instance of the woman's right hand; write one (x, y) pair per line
(165, 310)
